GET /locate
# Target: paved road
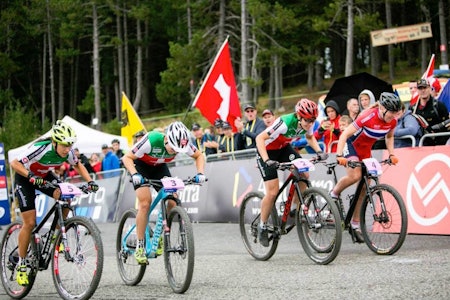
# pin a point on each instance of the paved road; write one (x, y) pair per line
(224, 270)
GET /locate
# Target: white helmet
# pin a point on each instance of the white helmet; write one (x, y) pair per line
(178, 137)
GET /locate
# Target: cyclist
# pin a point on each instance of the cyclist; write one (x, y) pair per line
(274, 146)
(148, 160)
(35, 166)
(355, 143)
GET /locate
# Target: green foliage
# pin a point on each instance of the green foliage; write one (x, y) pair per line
(87, 104)
(112, 127)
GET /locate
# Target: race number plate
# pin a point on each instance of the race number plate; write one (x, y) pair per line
(303, 165)
(68, 189)
(373, 166)
(172, 184)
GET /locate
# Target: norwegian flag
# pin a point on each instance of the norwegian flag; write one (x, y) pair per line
(217, 97)
(428, 75)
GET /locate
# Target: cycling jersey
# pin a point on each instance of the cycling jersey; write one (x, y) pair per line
(370, 128)
(41, 158)
(152, 150)
(283, 130)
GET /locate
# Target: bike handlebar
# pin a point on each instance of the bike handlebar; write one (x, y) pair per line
(287, 165)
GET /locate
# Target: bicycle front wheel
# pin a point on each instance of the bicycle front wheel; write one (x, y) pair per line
(9, 260)
(77, 268)
(249, 219)
(319, 226)
(384, 222)
(130, 271)
(179, 252)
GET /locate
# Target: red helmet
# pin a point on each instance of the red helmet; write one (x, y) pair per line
(307, 109)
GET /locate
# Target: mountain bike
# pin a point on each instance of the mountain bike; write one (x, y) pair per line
(173, 226)
(73, 245)
(317, 218)
(383, 218)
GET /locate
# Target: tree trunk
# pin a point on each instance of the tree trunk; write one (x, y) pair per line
(137, 99)
(126, 56)
(44, 79)
(319, 70)
(443, 34)
(61, 89)
(244, 59)
(96, 66)
(120, 66)
(50, 63)
(390, 46)
(349, 50)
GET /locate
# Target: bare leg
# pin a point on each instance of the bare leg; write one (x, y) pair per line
(145, 200)
(29, 221)
(272, 187)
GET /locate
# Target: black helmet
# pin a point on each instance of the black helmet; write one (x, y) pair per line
(390, 101)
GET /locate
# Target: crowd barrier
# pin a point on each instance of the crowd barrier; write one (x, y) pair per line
(422, 177)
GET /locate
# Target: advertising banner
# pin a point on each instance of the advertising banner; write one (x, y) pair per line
(5, 213)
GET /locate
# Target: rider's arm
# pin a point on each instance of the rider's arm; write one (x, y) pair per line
(81, 169)
(128, 162)
(261, 145)
(389, 140)
(312, 142)
(348, 132)
(19, 168)
(199, 161)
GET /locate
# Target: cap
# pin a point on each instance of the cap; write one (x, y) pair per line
(104, 146)
(195, 127)
(226, 125)
(115, 141)
(218, 123)
(267, 111)
(422, 83)
(139, 133)
(247, 106)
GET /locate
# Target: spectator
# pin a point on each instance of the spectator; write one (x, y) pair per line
(117, 151)
(95, 162)
(413, 88)
(406, 125)
(84, 160)
(352, 108)
(216, 139)
(198, 137)
(230, 142)
(251, 129)
(138, 136)
(365, 99)
(302, 143)
(110, 161)
(210, 141)
(344, 122)
(268, 117)
(432, 110)
(329, 128)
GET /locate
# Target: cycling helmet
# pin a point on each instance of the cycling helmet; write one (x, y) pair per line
(178, 137)
(390, 101)
(63, 134)
(307, 109)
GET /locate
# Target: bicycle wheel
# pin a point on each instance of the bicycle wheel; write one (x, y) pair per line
(130, 271)
(9, 260)
(384, 229)
(77, 269)
(249, 219)
(179, 252)
(319, 226)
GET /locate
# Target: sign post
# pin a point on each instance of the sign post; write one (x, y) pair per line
(5, 214)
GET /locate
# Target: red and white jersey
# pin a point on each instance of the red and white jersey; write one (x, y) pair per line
(370, 128)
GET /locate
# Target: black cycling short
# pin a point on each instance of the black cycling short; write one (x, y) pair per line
(284, 154)
(26, 192)
(152, 172)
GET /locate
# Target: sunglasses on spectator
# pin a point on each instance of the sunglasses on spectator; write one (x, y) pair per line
(249, 110)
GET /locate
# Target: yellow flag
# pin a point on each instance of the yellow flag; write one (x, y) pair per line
(131, 123)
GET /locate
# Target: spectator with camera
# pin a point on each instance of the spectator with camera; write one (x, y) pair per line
(329, 128)
(433, 112)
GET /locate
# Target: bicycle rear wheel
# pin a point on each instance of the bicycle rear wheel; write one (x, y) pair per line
(384, 229)
(249, 219)
(130, 271)
(319, 226)
(9, 259)
(77, 269)
(179, 252)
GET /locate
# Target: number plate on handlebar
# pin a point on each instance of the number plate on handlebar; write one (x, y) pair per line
(172, 184)
(303, 165)
(373, 166)
(69, 190)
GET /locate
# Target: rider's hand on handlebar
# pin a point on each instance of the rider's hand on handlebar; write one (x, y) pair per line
(199, 178)
(137, 180)
(35, 180)
(322, 155)
(93, 186)
(394, 159)
(341, 160)
(272, 163)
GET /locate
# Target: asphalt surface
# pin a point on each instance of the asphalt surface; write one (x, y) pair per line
(224, 270)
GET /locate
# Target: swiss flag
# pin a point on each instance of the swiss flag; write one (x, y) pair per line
(428, 75)
(218, 96)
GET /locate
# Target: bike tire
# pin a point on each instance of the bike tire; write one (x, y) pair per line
(319, 226)
(179, 250)
(130, 271)
(9, 260)
(386, 235)
(78, 276)
(249, 219)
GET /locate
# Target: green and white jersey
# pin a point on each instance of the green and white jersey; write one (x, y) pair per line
(283, 130)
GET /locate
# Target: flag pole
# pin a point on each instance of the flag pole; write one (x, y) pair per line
(199, 90)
